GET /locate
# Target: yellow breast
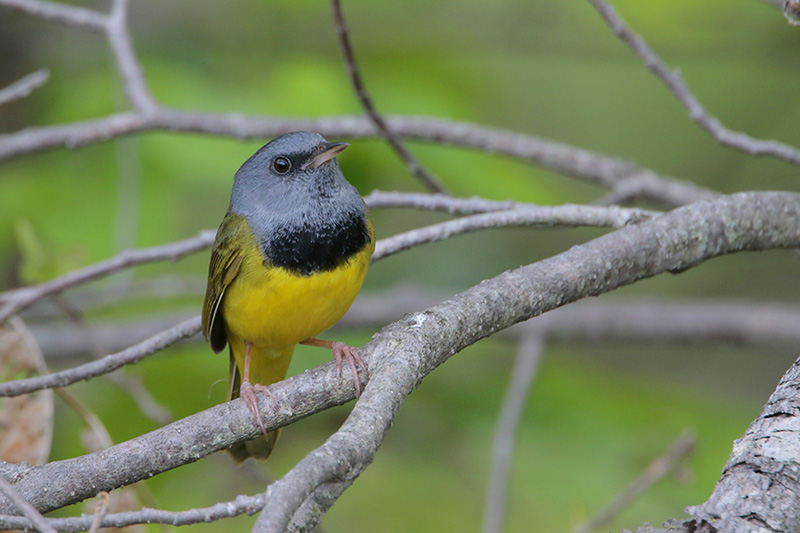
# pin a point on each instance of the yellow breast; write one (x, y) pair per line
(274, 308)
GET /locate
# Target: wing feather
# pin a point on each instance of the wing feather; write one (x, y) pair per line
(226, 258)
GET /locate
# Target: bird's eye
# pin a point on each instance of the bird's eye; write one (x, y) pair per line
(281, 164)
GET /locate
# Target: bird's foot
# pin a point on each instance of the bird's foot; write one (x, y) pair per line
(248, 393)
(353, 358)
(346, 352)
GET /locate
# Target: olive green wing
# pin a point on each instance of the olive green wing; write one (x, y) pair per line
(226, 258)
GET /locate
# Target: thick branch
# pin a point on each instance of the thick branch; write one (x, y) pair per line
(760, 485)
(402, 354)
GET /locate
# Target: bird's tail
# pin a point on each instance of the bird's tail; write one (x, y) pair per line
(265, 370)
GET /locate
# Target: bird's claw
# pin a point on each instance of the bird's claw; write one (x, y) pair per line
(248, 393)
(353, 358)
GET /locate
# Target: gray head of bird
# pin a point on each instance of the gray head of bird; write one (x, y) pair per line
(294, 173)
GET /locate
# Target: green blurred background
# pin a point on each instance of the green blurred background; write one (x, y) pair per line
(598, 414)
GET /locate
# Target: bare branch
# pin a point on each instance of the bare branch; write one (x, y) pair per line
(672, 79)
(583, 164)
(592, 216)
(566, 215)
(100, 512)
(130, 384)
(364, 97)
(18, 299)
(239, 506)
(129, 69)
(760, 487)
(24, 86)
(404, 352)
(30, 512)
(523, 374)
(107, 364)
(57, 12)
(655, 471)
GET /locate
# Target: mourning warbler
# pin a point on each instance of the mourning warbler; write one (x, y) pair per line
(288, 260)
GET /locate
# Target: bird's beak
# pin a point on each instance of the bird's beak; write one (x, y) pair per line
(330, 151)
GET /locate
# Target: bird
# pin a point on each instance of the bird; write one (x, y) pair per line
(288, 260)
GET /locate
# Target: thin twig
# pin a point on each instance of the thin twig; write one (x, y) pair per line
(364, 97)
(131, 384)
(439, 202)
(19, 299)
(679, 88)
(470, 206)
(100, 512)
(565, 215)
(240, 505)
(129, 69)
(682, 447)
(30, 512)
(522, 376)
(24, 86)
(67, 14)
(105, 365)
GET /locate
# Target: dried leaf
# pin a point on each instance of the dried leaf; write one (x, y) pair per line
(26, 422)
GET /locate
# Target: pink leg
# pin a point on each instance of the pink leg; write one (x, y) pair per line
(342, 350)
(248, 391)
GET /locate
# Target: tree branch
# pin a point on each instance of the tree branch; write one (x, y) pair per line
(406, 351)
(679, 88)
(522, 376)
(760, 484)
(526, 214)
(129, 69)
(583, 164)
(240, 505)
(611, 216)
(66, 14)
(35, 518)
(24, 86)
(18, 299)
(107, 364)
(565, 215)
(682, 447)
(413, 166)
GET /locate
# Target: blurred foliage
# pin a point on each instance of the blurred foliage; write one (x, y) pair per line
(598, 414)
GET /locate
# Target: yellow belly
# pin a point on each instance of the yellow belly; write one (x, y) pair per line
(275, 309)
